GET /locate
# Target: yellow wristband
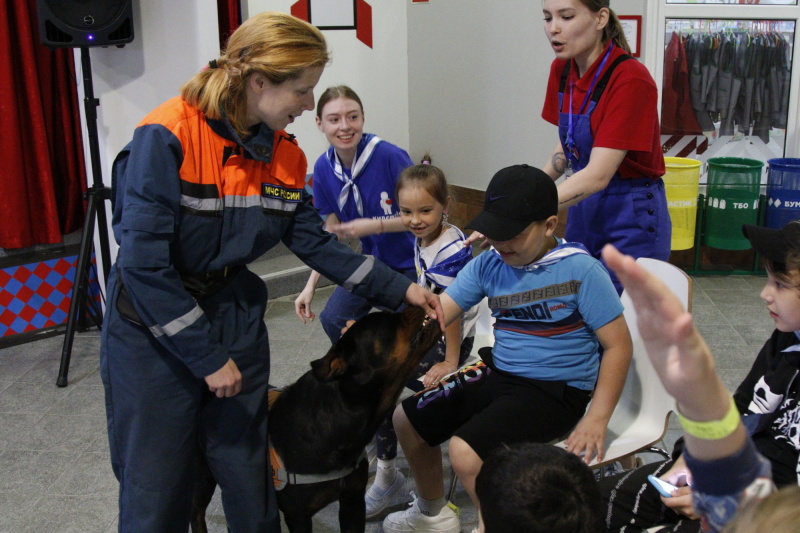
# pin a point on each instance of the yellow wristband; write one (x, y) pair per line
(714, 429)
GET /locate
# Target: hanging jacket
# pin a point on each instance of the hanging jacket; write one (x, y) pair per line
(677, 113)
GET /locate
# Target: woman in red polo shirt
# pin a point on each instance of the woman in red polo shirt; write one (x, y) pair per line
(605, 104)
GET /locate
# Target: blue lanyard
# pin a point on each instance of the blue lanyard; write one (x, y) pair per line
(570, 130)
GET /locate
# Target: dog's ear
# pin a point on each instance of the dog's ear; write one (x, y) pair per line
(329, 367)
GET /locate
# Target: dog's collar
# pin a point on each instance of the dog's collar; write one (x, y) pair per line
(281, 477)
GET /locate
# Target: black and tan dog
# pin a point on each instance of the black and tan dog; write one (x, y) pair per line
(321, 423)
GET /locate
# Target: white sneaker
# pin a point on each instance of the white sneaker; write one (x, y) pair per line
(378, 499)
(412, 520)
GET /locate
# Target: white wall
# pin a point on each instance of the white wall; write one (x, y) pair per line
(379, 74)
(477, 79)
(172, 40)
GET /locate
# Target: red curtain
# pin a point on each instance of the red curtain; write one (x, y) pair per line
(230, 17)
(42, 177)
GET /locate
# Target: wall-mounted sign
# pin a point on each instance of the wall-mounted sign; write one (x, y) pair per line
(337, 15)
(632, 27)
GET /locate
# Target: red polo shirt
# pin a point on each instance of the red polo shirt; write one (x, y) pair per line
(625, 118)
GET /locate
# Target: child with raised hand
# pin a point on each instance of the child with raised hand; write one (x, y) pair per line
(439, 254)
(721, 466)
(767, 398)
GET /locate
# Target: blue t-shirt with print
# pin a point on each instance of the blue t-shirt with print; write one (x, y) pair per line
(545, 316)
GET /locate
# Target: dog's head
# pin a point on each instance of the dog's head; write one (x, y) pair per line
(379, 344)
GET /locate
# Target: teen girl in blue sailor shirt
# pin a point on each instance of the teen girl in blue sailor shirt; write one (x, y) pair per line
(354, 184)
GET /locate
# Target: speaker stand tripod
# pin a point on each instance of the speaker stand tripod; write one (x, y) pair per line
(97, 194)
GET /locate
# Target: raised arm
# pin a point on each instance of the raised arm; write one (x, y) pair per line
(724, 463)
(680, 356)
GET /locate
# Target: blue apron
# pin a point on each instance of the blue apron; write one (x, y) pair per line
(632, 213)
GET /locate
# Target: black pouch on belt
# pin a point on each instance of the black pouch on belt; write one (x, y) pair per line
(125, 306)
(198, 285)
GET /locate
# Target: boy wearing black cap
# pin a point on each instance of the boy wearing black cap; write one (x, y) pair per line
(554, 307)
(768, 400)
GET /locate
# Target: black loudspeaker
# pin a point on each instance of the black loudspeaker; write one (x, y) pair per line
(76, 23)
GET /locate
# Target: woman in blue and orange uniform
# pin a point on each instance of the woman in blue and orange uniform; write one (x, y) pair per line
(605, 104)
(209, 183)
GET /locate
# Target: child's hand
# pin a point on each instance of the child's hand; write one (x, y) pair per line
(437, 372)
(679, 474)
(477, 236)
(681, 502)
(588, 439)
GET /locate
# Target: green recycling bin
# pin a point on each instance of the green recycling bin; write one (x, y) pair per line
(732, 194)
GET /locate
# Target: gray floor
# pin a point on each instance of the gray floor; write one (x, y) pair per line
(54, 465)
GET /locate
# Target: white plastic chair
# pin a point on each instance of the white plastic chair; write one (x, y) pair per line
(484, 333)
(642, 414)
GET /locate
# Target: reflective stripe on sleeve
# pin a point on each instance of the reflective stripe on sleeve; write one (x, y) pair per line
(179, 324)
(202, 204)
(360, 273)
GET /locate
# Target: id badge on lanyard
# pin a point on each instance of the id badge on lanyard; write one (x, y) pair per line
(572, 154)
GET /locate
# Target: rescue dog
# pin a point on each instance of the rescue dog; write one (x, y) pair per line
(321, 423)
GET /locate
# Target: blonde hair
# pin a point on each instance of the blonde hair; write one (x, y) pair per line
(613, 30)
(778, 513)
(276, 45)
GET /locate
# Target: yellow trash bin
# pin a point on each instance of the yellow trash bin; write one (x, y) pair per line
(682, 183)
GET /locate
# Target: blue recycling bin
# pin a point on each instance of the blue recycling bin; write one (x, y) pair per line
(783, 192)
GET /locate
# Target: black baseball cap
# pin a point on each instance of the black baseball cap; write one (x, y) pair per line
(517, 196)
(774, 244)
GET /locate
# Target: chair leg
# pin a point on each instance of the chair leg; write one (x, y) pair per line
(660, 451)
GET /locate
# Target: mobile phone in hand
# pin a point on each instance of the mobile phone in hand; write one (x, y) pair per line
(663, 487)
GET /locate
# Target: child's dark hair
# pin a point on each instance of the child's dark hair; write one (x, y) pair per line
(429, 177)
(332, 93)
(787, 272)
(538, 488)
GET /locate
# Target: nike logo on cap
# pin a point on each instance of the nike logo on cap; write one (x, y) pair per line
(491, 199)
